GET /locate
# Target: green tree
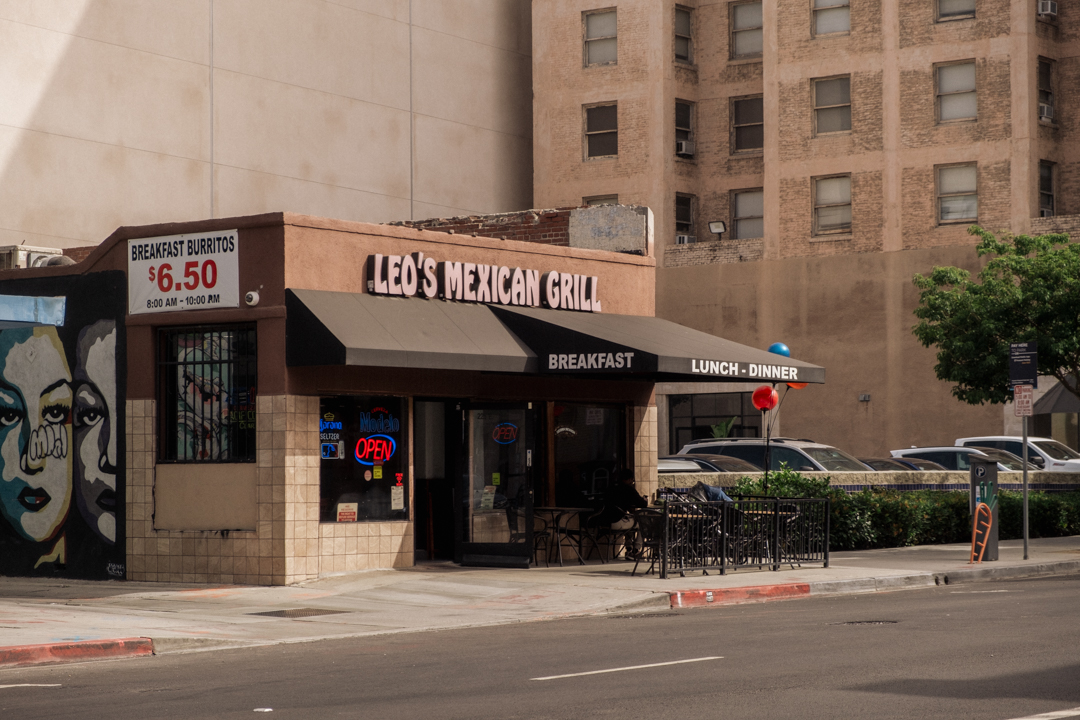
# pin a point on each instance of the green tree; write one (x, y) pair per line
(1028, 290)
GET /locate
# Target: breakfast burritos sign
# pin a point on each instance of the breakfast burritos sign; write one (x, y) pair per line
(419, 274)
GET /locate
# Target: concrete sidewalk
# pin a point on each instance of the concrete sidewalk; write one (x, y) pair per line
(67, 620)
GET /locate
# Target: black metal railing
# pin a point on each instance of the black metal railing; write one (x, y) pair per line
(747, 532)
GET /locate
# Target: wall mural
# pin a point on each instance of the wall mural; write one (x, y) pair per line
(62, 433)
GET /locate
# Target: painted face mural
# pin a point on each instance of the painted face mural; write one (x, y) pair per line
(95, 433)
(62, 420)
(35, 435)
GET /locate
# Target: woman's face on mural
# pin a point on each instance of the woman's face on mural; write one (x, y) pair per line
(35, 432)
(95, 439)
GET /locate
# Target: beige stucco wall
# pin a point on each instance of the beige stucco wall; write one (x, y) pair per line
(851, 314)
(135, 112)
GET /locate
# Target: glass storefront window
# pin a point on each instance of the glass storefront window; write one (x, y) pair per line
(363, 473)
(590, 446)
(693, 417)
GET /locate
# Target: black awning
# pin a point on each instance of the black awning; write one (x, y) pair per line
(334, 328)
(582, 343)
(337, 328)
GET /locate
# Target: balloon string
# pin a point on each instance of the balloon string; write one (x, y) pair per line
(772, 419)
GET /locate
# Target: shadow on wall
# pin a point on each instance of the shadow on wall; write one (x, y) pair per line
(62, 447)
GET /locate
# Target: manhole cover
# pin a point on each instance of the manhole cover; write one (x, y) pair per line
(867, 622)
(299, 613)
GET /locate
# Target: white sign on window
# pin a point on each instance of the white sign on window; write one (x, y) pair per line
(183, 272)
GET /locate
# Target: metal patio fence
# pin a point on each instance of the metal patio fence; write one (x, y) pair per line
(747, 532)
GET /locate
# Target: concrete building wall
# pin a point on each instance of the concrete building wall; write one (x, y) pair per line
(132, 111)
(852, 315)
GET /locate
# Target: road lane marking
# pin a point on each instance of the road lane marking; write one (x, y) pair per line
(1074, 712)
(631, 667)
(29, 685)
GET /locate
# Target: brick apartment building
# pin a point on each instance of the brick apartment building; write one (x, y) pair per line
(846, 145)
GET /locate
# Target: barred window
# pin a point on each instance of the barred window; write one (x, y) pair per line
(207, 376)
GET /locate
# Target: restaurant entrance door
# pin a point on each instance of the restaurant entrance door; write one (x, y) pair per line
(495, 514)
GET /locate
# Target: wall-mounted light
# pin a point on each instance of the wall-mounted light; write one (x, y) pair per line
(717, 228)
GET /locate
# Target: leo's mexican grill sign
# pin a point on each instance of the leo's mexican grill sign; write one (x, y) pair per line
(183, 272)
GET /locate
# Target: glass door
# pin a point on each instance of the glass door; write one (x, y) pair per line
(495, 526)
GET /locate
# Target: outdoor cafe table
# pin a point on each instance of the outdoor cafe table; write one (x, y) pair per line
(558, 518)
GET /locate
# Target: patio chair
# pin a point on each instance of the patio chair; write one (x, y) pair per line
(650, 526)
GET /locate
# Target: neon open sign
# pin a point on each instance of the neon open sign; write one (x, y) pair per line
(375, 449)
(504, 433)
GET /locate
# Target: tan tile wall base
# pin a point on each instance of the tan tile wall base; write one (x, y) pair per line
(644, 428)
(290, 544)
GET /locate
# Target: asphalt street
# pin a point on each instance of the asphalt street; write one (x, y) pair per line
(1000, 650)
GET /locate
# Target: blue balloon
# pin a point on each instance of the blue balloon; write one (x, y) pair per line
(780, 349)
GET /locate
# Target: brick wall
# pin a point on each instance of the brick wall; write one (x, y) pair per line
(920, 227)
(548, 227)
(797, 44)
(918, 118)
(1068, 224)
(917, 26)
(78, 254)
(714, 251)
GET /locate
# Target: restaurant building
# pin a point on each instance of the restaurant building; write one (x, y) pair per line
(271, 399)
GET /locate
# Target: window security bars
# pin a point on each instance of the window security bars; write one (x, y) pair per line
(208, 380)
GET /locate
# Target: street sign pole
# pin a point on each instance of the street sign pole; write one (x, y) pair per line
(1024, 378)
(1025, 490)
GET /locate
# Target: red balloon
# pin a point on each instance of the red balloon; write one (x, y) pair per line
(765, 398)
(797, 386)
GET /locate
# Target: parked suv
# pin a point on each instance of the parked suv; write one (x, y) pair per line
(802, 455)
(1044, 453)
(956, 458)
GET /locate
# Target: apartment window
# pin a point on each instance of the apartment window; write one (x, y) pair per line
(748, 214)
(1046, 90)
(746, 38)
(596, 200)
(601, 131)
(208, 379)
(958, 200)
(832, 105)
(601, 43)
(683, 45)
(684, 115)
(684, 215)
(832, 205)
(832, 16)
(956, 91)
(955, 9)
(748, 124)
(1046, 189)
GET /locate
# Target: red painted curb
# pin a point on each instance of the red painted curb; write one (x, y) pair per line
(734, 596)
(75, 651)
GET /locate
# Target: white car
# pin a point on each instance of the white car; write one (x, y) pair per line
(956, 458)
(1044, 453)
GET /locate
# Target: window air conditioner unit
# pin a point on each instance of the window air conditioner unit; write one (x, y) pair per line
(1046, 112)
(1048, 7)
(684, 148)
(684, 239)
(1044, 212)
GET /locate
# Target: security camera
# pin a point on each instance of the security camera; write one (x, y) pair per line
(252, 298)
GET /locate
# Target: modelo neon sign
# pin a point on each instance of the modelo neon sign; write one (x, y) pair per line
(375, 449)
(417, 274)
(505, 433)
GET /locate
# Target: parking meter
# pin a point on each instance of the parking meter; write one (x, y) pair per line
(984, 488)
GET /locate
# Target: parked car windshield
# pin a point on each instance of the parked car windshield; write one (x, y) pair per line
(1010, 461)
(1056, 450)
(833, 459)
